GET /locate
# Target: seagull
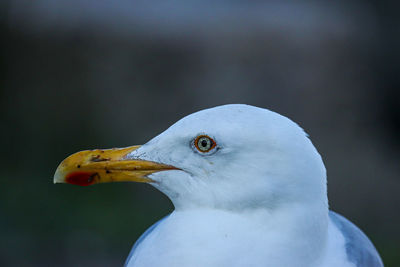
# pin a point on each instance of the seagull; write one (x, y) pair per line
(248, 187)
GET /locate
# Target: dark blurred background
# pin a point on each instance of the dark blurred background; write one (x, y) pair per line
(77, 75)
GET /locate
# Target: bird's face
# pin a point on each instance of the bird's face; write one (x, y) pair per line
(228, 157)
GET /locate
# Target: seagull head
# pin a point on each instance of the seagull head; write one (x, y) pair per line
(231, 157)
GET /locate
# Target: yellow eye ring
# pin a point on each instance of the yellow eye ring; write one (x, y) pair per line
(204, 143)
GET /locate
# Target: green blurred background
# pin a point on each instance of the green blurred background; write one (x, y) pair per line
(79, 75)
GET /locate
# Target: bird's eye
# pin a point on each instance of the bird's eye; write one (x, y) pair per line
(204, 143)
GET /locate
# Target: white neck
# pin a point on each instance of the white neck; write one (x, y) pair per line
(212, 236)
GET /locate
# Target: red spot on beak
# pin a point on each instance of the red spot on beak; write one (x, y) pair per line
(81, 178)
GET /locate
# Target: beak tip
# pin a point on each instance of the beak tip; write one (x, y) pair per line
(58, 177)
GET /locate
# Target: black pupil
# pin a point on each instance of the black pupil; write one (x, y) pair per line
(204, 143)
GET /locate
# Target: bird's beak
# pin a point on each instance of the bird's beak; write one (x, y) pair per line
(106, 165)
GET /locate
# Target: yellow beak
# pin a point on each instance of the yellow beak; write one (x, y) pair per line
(106, 165)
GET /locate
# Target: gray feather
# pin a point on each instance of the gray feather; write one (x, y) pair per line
(359, 248)
(141, 238)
